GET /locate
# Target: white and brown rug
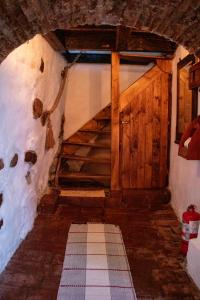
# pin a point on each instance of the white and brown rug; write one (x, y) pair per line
(95, 265)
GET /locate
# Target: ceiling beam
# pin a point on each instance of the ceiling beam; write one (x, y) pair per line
(89, 40)
(123, 35)
(127, 56)
(118, 39)
(150, 42)
(123, 39)
(54, 41)
(106, 59)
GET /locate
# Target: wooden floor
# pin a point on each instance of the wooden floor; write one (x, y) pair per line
(151, 236)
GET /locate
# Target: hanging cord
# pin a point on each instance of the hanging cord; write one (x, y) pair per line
(64, 74)
(50, 141)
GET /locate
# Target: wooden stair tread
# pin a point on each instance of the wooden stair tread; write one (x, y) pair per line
(81, 175)
(94, 145)
(86, 158)
(106, 118)
(99, 131)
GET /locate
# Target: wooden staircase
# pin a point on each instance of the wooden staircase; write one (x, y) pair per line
(85, 158)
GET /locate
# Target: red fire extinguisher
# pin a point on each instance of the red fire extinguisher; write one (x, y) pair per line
(190, 226)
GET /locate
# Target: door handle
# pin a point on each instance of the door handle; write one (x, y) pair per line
(124, 122)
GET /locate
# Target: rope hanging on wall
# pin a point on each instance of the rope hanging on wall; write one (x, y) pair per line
(46, 117)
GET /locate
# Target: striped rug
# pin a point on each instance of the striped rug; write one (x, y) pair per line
(95, 265)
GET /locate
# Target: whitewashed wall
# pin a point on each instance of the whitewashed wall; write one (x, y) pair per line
(89, 91)
(184, 180)
(184, 174)
(20, 82)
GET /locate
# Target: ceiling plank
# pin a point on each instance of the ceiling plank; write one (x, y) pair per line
(150, 42)
(90, 40)
(121, 40)
(118, 39)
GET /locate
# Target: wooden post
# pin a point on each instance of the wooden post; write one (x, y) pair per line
(115, 179)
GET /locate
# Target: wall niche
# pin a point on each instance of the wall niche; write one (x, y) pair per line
(37, 108)
(14, 161)
(42, 65)
(1, 199)
(1, 164)
(28, 177)
(30, 157)
(1, 223)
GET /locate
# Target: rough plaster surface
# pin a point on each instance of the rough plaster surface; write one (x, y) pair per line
(89, 91)
(20, 83)
(184, 179)
(193, 260)
(184, 174)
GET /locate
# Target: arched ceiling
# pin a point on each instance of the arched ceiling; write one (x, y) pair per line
(20, 20)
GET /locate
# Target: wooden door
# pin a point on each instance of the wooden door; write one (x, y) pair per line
(144, 129)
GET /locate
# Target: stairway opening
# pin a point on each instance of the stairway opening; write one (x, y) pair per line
(84, 165)
(84, 161)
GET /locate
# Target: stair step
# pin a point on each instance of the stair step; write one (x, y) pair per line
(70, 183)
(93, 145)
(106, 118)
(82, 176)
(86, 158)
(99, 131)
(82, 201)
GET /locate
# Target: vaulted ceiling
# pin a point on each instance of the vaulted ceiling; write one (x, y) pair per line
(20, 20)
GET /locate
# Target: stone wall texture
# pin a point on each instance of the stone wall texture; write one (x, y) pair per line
(20, 20)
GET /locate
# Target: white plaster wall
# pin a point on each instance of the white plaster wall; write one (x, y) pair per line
(89, 91)
(21, 82)
(184, 180)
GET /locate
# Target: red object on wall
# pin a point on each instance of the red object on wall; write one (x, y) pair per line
(193, 150)
(190, 226)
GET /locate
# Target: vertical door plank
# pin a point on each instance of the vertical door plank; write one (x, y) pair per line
(156, 132)
(126, 142)
(164, 129)
(149, 136)
(141, 143)
(134, 125)
(115, 179)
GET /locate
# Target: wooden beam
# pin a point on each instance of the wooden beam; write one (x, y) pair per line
(101, 28)
(54, 41)
(90, 40)
(115, 155)
(146, 41)
(137, 87)
(130, 56)
(123, 34)
(118, 39)
(105, 59)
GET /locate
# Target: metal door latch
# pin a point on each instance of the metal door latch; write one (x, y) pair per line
(124, 122)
